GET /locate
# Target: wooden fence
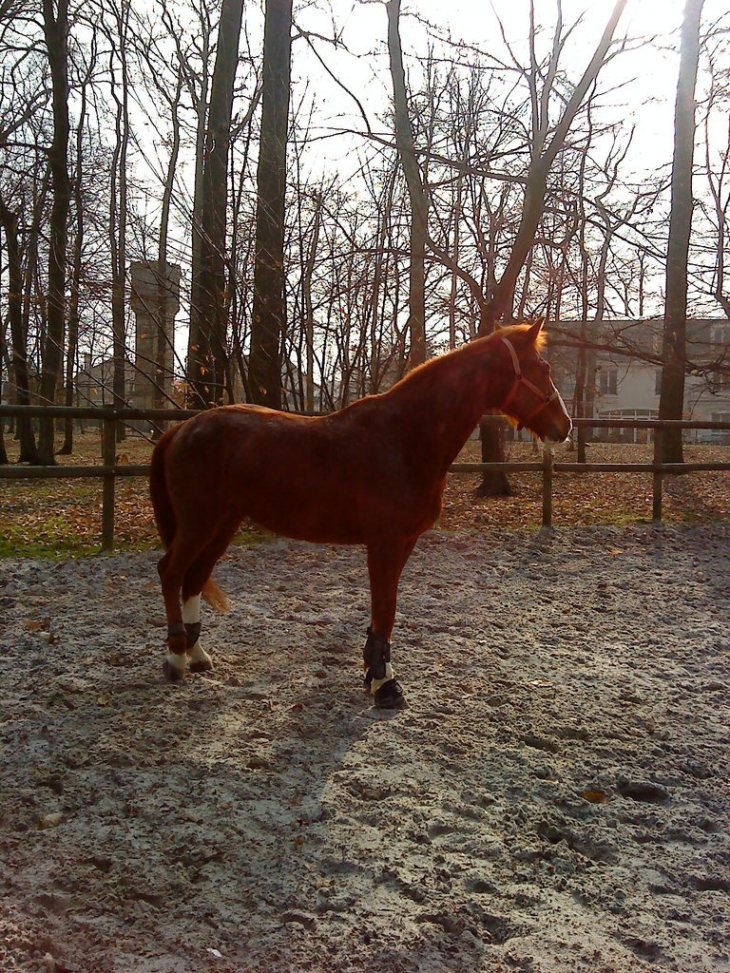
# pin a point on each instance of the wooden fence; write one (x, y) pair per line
(108, 470)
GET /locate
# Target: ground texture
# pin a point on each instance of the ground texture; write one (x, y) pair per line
(554, 798)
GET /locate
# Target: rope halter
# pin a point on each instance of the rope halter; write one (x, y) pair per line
(519, 379)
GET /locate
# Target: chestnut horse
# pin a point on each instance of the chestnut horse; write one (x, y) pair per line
(371, 474)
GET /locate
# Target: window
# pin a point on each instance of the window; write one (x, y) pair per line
(607, 380)
(658, 382)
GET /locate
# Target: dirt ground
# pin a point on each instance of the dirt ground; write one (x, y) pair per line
(554, 798)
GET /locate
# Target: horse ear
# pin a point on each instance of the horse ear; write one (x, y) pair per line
(535, 330)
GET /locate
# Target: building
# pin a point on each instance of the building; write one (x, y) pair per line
(623, 372)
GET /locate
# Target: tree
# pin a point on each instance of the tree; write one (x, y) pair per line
(55, 25)
(77, 256)
(546, 143)
(198, 81)
(9, 224)
(671, 398)
(269, 306)
(211, 380)
(416, 192)
(717, 170)
(119, 197)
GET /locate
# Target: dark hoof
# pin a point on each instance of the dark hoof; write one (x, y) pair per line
(202, 666)
(170, 672)
(389, 696)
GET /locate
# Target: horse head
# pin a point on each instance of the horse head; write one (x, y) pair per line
(532, 400)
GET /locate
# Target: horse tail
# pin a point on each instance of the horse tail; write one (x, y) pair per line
(214, 596)
(164, 514)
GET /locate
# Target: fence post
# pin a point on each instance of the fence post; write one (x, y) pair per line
(547, 485)
(109, 445)
(656, 509)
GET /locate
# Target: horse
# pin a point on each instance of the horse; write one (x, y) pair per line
(371, 474)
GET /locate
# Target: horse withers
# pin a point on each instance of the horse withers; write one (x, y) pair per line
(371, 474)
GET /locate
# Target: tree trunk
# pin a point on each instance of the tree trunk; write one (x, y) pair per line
(73, 310)
(308, 308)
(212, 291)
(55, 25)
(494, 483)
(269, 303)
(671, 398)
(4, 364)
(118, 219)
(162, 351)
(416, 194)
(9, 222)
(198, 348)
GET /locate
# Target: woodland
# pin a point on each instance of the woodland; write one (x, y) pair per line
(349, 188)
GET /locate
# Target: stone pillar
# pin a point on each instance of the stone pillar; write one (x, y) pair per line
(155, 301)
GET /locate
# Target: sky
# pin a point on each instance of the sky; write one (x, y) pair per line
(644, 78)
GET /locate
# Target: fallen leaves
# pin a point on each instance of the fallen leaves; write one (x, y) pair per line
(588, 499)
(595, 797)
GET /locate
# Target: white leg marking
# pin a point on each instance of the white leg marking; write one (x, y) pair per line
(191, 610)
(377, 683)
(198, 656)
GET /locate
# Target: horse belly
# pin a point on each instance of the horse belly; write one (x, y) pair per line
(315, 514)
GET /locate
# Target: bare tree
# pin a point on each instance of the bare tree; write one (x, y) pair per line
(671, 398)
(55, 25)
(75, 281)
(546, 143)
(717, 170)
(118, 37)
(269, 306)
(416, 192)
(9, 223)
(211, 385)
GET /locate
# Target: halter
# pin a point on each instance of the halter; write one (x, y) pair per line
(520, 379)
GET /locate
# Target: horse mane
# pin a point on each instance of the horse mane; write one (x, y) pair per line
(503, 331)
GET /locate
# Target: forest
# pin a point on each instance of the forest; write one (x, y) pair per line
(334, 191)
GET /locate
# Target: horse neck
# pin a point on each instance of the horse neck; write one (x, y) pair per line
(444, 400)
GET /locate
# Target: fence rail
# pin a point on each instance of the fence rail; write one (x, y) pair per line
(108, 470)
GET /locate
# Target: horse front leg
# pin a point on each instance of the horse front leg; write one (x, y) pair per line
(386, 561)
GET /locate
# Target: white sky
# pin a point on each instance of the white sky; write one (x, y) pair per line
(647, 76)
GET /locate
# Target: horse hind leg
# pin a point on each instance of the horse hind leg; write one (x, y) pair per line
(193, 583)
(172, 568)
(171, 574)
(198, 658)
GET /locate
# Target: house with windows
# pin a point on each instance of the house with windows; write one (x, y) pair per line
(623, 371)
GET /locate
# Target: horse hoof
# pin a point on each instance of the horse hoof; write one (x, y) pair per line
(170, 672)
(389, 696)
(203, 665)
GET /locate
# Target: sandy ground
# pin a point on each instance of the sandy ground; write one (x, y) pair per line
(554, 798)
